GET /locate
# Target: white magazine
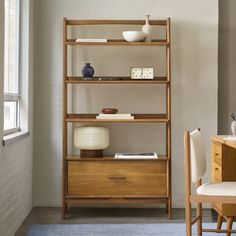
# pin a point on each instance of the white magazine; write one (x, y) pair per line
(141, 155)
(115, 117)
(91, 40)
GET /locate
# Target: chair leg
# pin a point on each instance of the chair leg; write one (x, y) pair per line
(188, 218)
(167, 207)
(229, 224)
(219, 221)
(199, 222)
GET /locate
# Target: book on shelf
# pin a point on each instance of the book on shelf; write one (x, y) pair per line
(91, 40)
(115, 117)
(139, 155)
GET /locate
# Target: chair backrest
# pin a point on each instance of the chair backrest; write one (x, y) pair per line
(197, 155)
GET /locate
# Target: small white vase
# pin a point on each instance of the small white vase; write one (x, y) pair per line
(147, 29)
(233, 128)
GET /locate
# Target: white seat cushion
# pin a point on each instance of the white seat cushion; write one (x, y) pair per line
(218, 189)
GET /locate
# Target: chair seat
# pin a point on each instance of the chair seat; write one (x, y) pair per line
(217, 189)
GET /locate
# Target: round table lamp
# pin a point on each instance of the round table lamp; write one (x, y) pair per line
(91, 140)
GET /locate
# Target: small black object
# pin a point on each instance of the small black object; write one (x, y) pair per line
(88, 70)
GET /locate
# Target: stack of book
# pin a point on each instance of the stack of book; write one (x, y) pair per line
(91, 40)
(140, 155)
(114, 117)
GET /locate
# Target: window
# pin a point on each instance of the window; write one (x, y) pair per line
(11, 70)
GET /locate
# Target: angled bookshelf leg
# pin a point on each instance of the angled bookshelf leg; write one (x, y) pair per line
(64, 210)
(170, 208)
(167, 207)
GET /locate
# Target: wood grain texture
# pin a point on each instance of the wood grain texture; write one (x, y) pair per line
(116, 201)
(188, 206)
(216, 170)
(116, 22)
(111, 158)
(138, 118)
(117, 179)
(229, 225)
(117, 42)
(168, 111)
(120, 80)
(219, 221)
(223, 162)
(220, 139)
(64, 128)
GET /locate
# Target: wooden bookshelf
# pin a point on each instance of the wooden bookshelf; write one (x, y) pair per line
(143, 181)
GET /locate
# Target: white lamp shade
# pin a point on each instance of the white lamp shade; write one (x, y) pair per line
(91, 138)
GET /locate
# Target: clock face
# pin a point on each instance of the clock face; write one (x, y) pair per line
(136, 73)
(147, 73)
(141, 73)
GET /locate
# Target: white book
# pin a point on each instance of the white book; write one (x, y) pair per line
(145, 155)
(136, 158)
(115, 117)
(91, 40)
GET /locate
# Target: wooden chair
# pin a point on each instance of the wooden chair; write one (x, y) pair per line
(195, 168)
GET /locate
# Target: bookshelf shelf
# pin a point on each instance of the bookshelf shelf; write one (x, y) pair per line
(114, 22)
(120, 80)
(138, 118)
(117, 42)
(111, 158)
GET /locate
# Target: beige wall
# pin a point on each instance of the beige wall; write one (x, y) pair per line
(227, 67)
(16, 160)
(194, 76)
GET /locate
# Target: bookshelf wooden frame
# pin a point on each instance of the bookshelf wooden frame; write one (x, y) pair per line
(139, 118)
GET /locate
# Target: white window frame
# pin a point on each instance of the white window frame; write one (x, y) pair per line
(15, 97)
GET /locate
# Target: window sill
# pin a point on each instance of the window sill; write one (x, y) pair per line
(15, 137)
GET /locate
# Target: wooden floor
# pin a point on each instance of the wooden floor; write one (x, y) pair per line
(106, 215)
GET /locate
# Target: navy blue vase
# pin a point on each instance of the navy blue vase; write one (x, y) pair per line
(88, 70)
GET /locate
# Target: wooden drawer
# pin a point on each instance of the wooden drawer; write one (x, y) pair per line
(216, 172)
(117, 178)
(217, 153)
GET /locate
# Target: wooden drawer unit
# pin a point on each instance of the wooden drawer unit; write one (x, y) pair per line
(217, 153)
(216, 162)
(117, 178)
(216, 172)
(223, 168)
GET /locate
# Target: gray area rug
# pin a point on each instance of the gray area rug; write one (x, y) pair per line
(167, 229)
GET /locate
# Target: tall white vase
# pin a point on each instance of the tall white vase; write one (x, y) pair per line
(147, 29)
(233, 128)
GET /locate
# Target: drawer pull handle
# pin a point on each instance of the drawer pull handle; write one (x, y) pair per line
(216, 168)
(217, 154)
(117, 178)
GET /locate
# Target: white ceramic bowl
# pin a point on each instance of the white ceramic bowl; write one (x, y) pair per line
(134, 36)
